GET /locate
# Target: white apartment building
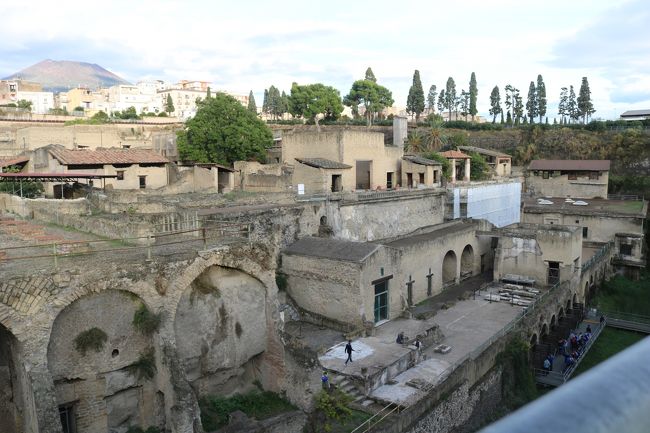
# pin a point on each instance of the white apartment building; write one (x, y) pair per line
(42, 102)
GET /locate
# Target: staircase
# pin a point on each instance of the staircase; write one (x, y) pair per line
(359, 400)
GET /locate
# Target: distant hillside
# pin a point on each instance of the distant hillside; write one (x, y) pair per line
(62, 75)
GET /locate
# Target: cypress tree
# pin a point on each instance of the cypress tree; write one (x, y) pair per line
(541, 97)
(531, 102)
(450, 95)
(252, 107)
(473, 94)
(415, 99)
(572, 105)
(265, 102)
(495, 104)
(585, 106)
(169, 104)
(562, 106)
(431, 98)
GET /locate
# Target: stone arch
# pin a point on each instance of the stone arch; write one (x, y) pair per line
(553, 322)
(449, 268)
(220, 327)
(533, 341)
(568, 304)
(124, 393)
(467, 261)
(544, 330)
(575, 298)
(560, 314)
(16, 398)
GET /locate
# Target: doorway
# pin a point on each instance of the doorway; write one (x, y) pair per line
(336, 183)
(553, 273)
(409, 180)
(363, 175)
(389, 180)
(381, 301)
(143, 181)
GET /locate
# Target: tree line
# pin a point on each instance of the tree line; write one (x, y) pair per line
(311, 101)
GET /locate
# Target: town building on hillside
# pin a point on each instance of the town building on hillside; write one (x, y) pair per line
(568, 178)
(184, 95)
(9, 90)
(42, 102)
(636, 115)
(133, 168)
(500, 163)
(78, 97)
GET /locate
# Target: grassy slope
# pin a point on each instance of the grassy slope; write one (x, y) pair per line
(609, 343)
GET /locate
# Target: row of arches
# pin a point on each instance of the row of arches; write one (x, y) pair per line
(113, 380)
(450, 271)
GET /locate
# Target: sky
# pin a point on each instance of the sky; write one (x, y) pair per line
(249, 45)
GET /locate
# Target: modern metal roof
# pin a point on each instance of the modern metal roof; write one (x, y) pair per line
(334, 249)
(634, 113)
(570, 164)
(419, 160)
(323, 163)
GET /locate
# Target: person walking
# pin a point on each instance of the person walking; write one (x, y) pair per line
(349, 350)
(326, 381)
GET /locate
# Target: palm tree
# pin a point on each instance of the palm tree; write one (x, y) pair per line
(435, 137)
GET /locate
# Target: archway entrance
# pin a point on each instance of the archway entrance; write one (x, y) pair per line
(11, 390)
(449, 268)
(466, 262)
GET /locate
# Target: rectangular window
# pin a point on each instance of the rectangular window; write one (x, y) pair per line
(625, 249)
(143, 182)
(336, 183)
(66, 414)
(585, 232)
(120, 175)
(381, 301)
(545, 175)
(593, 175)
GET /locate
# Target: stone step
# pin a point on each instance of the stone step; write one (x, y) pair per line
(367, 402)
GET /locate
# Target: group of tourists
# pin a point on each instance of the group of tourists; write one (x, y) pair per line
(571, 348)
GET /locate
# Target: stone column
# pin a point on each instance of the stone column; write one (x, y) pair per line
(467, 168)
(453, 170)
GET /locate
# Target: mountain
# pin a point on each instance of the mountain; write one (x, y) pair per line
(62, 75)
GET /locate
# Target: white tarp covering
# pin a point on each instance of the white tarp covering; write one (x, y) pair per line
(500, 204)
(456, 203)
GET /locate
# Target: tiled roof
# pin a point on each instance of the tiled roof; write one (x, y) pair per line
(323, 163)
(334, 249)
(419, 160)
(106, 156)
(13, 161)
(482, 151)
(570, 164)
(454, 154)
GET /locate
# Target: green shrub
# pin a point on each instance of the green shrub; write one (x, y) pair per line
(93, 338)
(145, 321)
(256, 404)
(518, 383)
(145, 366)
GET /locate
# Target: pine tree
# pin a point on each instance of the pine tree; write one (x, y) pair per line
(431, 98)
(518, 109)
(450, 96)
(509, 118)
(441, 100)
(370, 76)
(572, 105)
(541, 98)
(585, 106)
(562, 106)
(252, 107)
(265, 102)
(531, 103)
(495, 104)
(502, 122)
(511, 91)
(284, 103)
(473, 94)
(415, 99)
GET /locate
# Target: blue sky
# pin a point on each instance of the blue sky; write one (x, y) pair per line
(244, 45)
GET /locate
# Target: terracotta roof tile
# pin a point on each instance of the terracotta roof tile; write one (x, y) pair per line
(13, 161)
(107, 156)
(454, 154)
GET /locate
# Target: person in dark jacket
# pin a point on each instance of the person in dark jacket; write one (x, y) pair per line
(349, 350)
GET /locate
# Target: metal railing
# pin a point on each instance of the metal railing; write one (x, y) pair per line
(596, 257)
(611, 397)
